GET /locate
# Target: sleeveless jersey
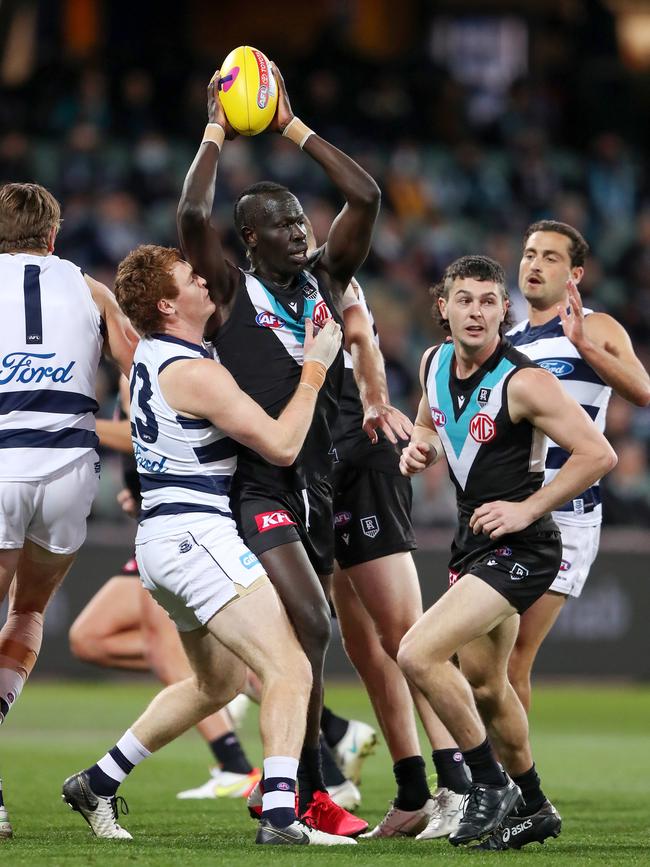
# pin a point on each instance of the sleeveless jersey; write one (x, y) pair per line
(185, 464)
(351, 443)
(262, 345)
(489, 457)
(51, 337)
(551, 349)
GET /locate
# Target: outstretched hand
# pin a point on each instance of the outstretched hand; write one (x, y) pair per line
(393, 422)
(283, 114)
(573, 319)
(216, 114)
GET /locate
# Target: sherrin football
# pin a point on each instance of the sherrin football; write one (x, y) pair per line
(248, 90)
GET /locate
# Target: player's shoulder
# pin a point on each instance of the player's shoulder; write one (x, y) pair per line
(517, 358)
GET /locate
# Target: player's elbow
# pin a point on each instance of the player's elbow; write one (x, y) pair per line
(604, 459)
(643, 397)
(191, 215)
(283, 455)
(610, 459)
(368, 194)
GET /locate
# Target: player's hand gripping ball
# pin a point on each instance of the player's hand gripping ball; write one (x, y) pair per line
(248, 90)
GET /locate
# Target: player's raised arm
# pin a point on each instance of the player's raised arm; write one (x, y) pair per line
(200, 241)
(204, 388)
(121, 337)
(536, 395)
(349, 237)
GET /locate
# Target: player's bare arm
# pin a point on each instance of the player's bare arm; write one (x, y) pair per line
(350, 234)
(425, 447)
(537, 396)
(199, 239)
(204, 388)
(116, 433)
(370, 377)
(606, 346)
(121, 337)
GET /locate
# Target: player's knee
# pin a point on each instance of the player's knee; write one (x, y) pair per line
(83, 645)
(411, 661)
(390, 639)
(314, 629)
(488, 695)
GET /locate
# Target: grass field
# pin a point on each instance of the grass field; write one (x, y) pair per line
(592, 747)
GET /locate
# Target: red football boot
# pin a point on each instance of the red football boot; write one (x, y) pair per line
(322, 813)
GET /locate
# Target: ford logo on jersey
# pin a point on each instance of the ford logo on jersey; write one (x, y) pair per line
(269, 320)
(557, 366)
(21, 367)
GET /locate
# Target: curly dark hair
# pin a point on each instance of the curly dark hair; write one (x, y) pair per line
(143, 278)
(578, 247)
(478, 268)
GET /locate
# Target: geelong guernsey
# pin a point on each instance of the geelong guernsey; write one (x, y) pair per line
(548, 346)
(185, 464)
(51, 337)
(489, 458)
(262, 345)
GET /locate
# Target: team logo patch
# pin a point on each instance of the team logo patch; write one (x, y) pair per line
(438, 416)
(309, 291)
(503, 552)
(565, 566)
(184, 547)
(321, 314)
(248, 560)
(557, 366)
(482, 428)
(342, 518)
(518, 572)
(370, 526)
(483, 396)
(269, 320)
(270, 520)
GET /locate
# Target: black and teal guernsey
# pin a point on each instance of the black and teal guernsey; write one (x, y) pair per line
(262, 345)
(489, 458)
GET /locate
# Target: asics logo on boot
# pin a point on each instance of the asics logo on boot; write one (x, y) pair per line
(516, 829)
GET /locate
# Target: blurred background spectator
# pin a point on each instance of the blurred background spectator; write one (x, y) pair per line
(474, 125)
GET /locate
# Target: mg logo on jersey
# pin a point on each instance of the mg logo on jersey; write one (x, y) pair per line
(342, 518)
(482, 428)
(557, 366)
(321, 314)
(269, 320)
(270, 520)
(438, 416)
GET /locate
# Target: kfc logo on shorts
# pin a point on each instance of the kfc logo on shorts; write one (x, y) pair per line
(321, 314)
(438, 416)
(518, 572)
(342, 518)
(370, 526)
(270, 520)
(482, 428)
(565, 566)
(453, 577)
(269, 320)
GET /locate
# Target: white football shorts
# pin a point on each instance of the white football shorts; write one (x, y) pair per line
(579, 550)
(195, 572)
(52, 513)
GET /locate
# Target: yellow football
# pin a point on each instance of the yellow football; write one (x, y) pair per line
(248, 90)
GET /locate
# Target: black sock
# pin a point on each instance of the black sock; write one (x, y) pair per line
(310, 776)
(452, 771)
(412, 787)
(531, 791)
(229, 754)
(2, 803)
(483, 766)
(333, 726)
(331, 771)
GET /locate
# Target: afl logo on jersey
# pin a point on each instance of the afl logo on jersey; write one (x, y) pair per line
(342, 518)
(321, 314)
(269, 320)
(438, 416)
(482, 428)
(557, 366)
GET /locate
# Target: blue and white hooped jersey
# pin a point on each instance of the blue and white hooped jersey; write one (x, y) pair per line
(548, 346)
(185, 464)
(489, 457)
(51, 338)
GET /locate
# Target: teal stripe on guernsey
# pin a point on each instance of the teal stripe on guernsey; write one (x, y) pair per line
(297, 328)
(457, 431)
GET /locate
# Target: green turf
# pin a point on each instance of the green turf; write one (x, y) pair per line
(592, 747)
